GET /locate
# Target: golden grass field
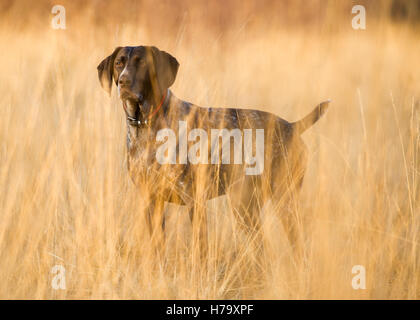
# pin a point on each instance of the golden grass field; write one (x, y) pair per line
(66, 197)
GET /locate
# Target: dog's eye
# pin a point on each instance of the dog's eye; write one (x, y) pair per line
(120, 62)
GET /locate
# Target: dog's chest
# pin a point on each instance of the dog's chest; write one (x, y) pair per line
(140, 144)
(142, 162)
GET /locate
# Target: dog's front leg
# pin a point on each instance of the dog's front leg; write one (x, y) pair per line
(198, 218)
(155, 218)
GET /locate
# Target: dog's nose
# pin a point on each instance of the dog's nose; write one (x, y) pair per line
(124, 81)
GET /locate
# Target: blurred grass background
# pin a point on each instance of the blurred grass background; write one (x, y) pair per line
(66, 197)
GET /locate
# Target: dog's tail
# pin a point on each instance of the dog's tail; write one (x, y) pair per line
(303, 124)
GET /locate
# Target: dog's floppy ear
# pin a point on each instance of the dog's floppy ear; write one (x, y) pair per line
(165, 68)
(106, 70)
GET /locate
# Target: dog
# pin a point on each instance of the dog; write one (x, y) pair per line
(143, 76)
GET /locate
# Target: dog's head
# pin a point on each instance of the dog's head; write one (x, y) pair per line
(141, 74)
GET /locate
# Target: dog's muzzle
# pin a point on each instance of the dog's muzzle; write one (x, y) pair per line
(137, 120)
(140, 119)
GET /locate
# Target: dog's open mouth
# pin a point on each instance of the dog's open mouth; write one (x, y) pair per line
(132, 104)
(133, 109)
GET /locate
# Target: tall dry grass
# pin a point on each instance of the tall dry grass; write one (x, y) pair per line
(66, 198)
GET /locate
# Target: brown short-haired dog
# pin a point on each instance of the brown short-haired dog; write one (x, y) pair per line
(143, 76)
